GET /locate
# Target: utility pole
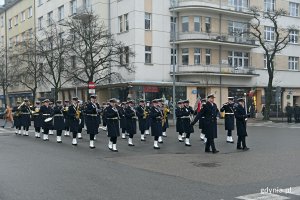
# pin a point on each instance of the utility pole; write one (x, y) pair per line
(174, 59)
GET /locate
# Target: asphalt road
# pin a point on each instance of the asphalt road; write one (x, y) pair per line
(31, 169)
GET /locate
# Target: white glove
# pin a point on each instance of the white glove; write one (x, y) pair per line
(79, 121)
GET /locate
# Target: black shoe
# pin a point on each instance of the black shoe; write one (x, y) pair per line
(208, 151)
(161, 142)
(230, 142)
(180, 140)
(59, 141)
(2, 126)
(239, 148)
(110, 149)
(164, 136)
(143, 140)
(80, 138)
(188, 145)
(74, 144)
(246, 149)
(201, 139)
(215, 151)
(115, 150)
(131, 145)
(156, 147)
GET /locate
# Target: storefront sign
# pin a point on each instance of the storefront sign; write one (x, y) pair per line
(151, 89)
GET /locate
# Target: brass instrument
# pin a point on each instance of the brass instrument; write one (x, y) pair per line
(165, 114)
(146, 113)
(77, 115)
(66, 108)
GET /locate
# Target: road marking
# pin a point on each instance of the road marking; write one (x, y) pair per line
(262, 196)
(295, 191)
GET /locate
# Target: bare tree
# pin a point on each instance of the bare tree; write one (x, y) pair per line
(271, 46)
(29, 68)
(95, 50)
(52, 47)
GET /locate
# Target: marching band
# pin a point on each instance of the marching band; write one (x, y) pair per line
(120, 119)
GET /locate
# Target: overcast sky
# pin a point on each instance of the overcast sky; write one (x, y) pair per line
(1, 2)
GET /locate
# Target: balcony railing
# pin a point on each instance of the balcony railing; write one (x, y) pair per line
(215, 37)
(213, 69)
(220, 4)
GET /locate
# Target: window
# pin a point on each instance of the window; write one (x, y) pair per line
(238, 4)
(269, 5)
(120, 24)
(126, 49)
(173, 56)
(61, 13)
(10, 23)
(173, 25)
(30, 34)
(207, 56)
(10, 41)
(23, 36)
(73, 5)
(197, 21)
(61, 38)
(2, 21)
(294, 9)
(50, 43)
(197, 56)
(124, 56)
(265, 62)
(293, 63)
(23, 16)
(237, 28)
(40, 23)
(87, 4)
(17, 40)
(16, 20)
(29, 12)
(50, 18)
(238, 59)
(185, 24)
(147, 21)
(185, 56)
(126, 22)
(269, 33)
(293, 37)
(148, 54)
(207, 24)
(40, 2)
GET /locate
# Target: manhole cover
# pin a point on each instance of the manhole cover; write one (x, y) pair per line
(211, 164)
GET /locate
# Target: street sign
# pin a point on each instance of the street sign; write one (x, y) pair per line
(194, 91)
(92, 91)
(92, 85)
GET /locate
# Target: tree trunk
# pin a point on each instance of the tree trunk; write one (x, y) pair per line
(56, 91)
(268, 98)
(33, 95)
(4, 95)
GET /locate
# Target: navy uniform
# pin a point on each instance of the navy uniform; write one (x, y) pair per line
(142, 114)
(112, 122)
(187, 113)
(45, 112)
(179, 125)
(229, 118)
(241, 124)
(130, 114)
(67, 120)
(25, 116)
(74, 117)
(51, 128)
(37, 119)
(165, 120)
(17, 118)
(104, 106)
(91, 120)
(58, 120)
(210, 113)
(156, 122)
(82, 119)
(121, 110)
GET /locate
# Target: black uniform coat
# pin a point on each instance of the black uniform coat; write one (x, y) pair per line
(17, 117)
(74, 122)
(229, 115)
(112, 122)
(25, 116)
(104, 115)
(130, 120)
(37, 117)
(46, 113)
(99, 114)
(179, 125)
(186, 121)
(199, 117)
(58, 118)
(240, 115)
(210, 113)
(156, 123)
(142, 121)
(166, 123)
(289, 110)
(67, 121)
(51, 127)
(91, 119)
(122, 117)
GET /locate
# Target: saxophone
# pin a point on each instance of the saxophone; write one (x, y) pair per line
(165, 114)
(146, 113)
(77, 115)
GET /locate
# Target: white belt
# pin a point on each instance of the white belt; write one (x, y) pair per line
(229, 113)
(113, 118)
(185, 117)
(58, 115)
(93, 115)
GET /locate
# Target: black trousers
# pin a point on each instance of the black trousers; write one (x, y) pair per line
(123, 130)
(210, 143)
(58, 132)
(92, 137)
(142, 132)
(113, 140)
(229, 133)
(37, 129)
(67, 128)
(241, 142)
(180, 133)
(25, 128)
(156, 138)
(74, 134)
(46, 131)
(289, 118)
(188, 135)
(131, 136)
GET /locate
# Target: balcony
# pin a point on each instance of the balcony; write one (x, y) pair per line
(214, 38)
(213, 70)
(83, 12)
(216, 6)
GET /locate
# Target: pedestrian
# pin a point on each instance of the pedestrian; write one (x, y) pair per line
(289, 112)
(17, 118)
(37, 119)
(8, 116)
(179, 125)
(228, 108)
(131, 117)
(241, 124)
(112, 122)
(142, 115)
(25, 116)
(74, 117)
(187, 115)
(45, 111)
(58, 120)
(296, 113)
(156, 122)
(92, 120)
